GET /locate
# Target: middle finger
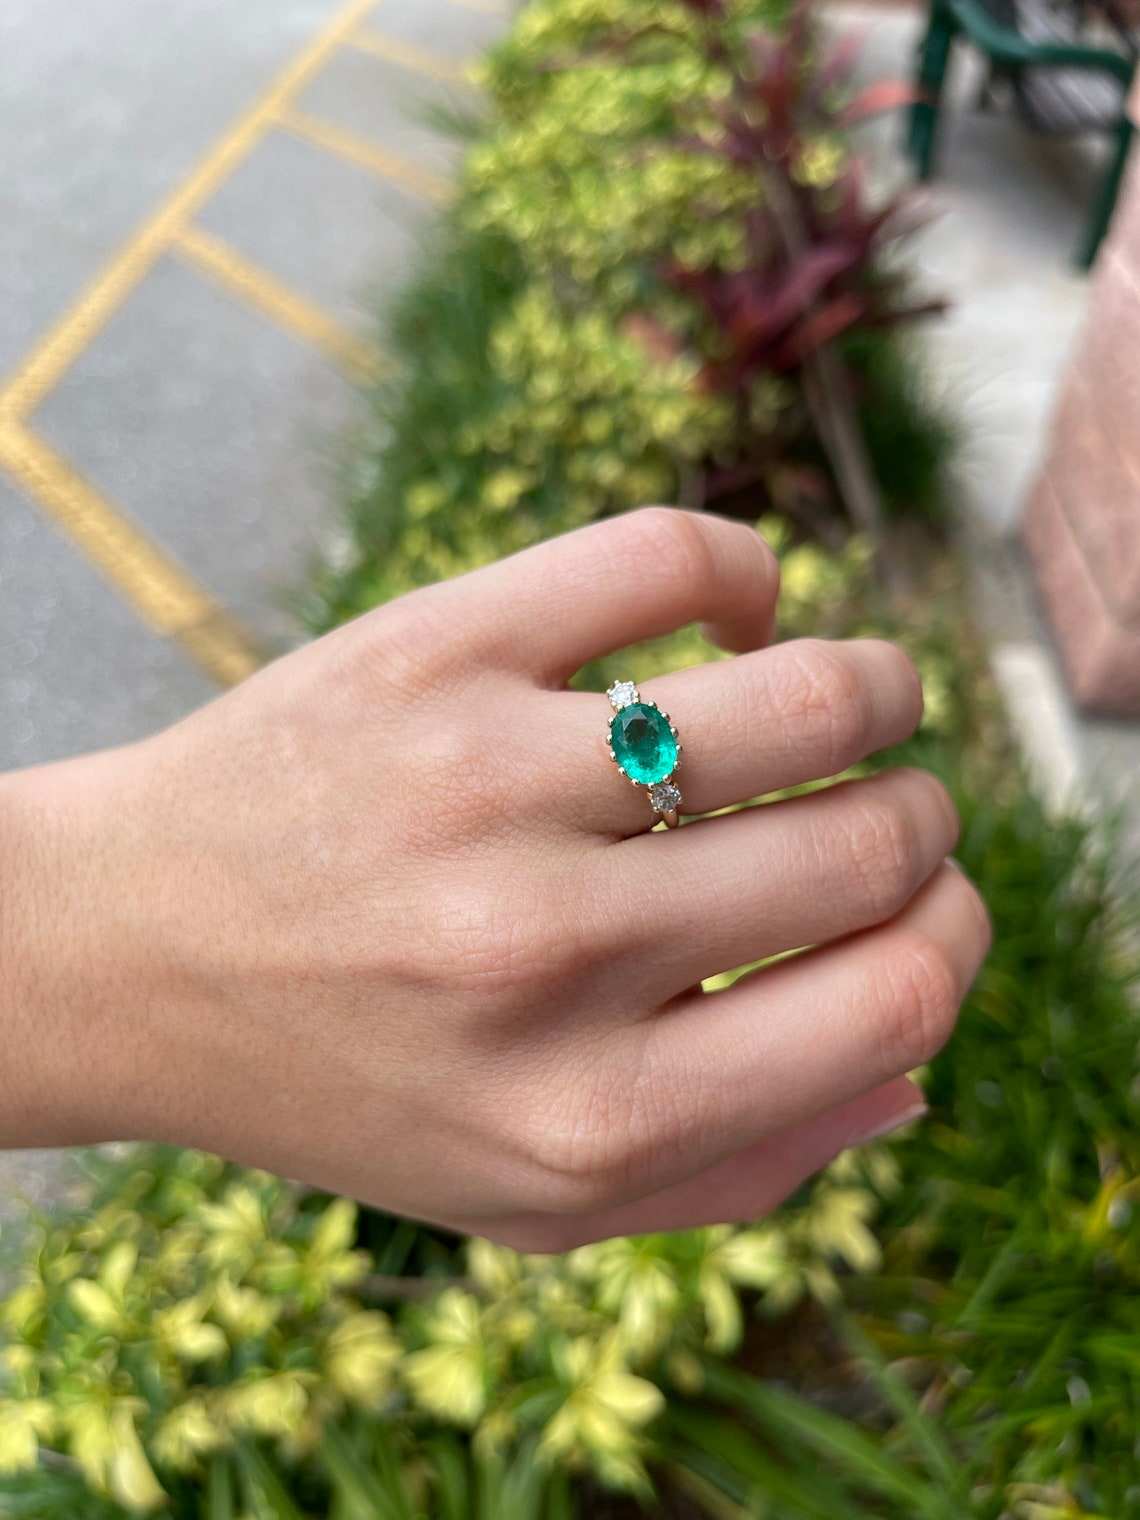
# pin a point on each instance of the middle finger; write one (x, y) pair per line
(727, 891)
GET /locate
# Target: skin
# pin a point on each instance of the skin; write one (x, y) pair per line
(386, 918)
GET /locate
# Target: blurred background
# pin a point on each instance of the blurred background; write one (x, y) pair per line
(307, 303)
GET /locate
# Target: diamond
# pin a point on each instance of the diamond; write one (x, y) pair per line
(621, 694)
(665, 796)
(643, 743)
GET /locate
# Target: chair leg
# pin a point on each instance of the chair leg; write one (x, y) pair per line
(933, 58)
(1105, 203)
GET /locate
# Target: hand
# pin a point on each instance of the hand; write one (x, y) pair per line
(387, 919)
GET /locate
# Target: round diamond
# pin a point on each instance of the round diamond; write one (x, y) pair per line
(621, 694)
(665, 796)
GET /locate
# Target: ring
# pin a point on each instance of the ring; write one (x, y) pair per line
(645, 748)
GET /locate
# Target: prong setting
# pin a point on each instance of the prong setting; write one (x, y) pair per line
(645, 747)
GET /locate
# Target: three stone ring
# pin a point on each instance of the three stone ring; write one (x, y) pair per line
(645, 748)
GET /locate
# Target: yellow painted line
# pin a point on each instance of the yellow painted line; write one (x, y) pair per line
(62, 345)
(158, 588)
(359, 150)
(284, 306)
(220, 647)
(391, 50)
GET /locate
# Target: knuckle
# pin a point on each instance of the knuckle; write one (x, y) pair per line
(832, 707)
(572, 1173)
(591, 1147)
(920, 1005)
(397, 632)
(400, 634)
(470, 801)
(489, 943)
(675, 540)
(882, 846)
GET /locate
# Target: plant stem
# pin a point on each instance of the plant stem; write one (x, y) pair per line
(380, 1287)
(827, 389)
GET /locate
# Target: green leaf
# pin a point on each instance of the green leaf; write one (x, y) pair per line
(857, 1455)
(219, 1490)
(522, 1490)
(454, 1489)
(265, 1495)
(362, 1492)
(924, 1433)
(722, 1452)
(560, 1497)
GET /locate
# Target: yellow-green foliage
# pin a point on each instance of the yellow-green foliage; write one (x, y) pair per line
(534, 391)
(582, 409)
(204, 1305)
(584, 165)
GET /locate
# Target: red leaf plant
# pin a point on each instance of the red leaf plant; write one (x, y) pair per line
(813, 270)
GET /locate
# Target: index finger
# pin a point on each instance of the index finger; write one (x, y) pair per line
(552, 608)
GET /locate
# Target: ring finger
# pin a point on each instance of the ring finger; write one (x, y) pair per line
(751, 725)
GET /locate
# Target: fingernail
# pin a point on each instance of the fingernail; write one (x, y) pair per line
(888, 1126)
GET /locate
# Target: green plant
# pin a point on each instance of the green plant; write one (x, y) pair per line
(204, 1331)
(612, 315)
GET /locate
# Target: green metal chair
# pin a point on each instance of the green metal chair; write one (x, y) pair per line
(1063, 82)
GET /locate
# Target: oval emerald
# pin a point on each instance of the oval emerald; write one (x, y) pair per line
(643, 743)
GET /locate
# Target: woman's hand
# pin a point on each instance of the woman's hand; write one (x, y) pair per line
(387, 919)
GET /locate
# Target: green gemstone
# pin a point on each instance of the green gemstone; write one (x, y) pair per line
(643, 743)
